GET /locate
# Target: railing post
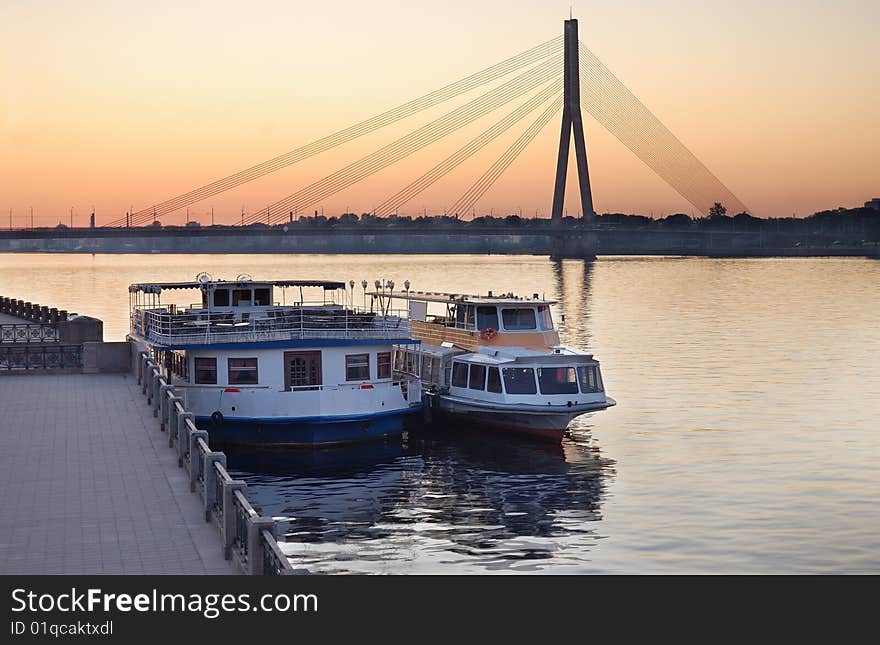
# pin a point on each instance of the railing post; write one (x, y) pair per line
(162, 408)
(229, 514)
(148, 380)
(157, 394)
(145, 369)
(194, 457)
(255, 543)
(172, 418)
(183, 442)
(210, 485)
(142, 358)
(152, 387)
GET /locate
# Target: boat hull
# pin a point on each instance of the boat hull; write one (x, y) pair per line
(541, 424)
(292, 433)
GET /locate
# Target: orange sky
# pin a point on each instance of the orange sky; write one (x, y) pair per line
(117, 104)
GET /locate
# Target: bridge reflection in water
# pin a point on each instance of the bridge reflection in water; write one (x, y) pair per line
(437, 503)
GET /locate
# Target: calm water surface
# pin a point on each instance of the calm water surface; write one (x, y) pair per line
(745, 439)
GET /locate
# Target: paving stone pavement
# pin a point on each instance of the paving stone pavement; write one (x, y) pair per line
(88, 483)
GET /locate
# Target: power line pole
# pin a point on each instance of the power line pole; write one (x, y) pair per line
(572, 126)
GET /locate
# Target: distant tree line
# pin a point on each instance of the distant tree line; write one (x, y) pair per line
(856, 224)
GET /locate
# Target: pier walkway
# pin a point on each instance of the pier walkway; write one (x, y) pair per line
(89, 484)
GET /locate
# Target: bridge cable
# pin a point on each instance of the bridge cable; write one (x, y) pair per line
(411, 142)
(393, 203)
(484, 183)
(498, 70)
(408, 144)
(612, 104)
(632, 129)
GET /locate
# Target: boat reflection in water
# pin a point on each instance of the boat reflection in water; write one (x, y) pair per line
(435, 504)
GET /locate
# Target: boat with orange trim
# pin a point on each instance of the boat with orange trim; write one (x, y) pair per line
(496, 362)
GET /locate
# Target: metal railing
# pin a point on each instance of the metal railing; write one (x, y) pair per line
(169, 327)
(274, 561)
(29, 333)
(37, 357)
(247, 537)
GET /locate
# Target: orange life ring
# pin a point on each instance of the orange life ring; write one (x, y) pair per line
(488, 334)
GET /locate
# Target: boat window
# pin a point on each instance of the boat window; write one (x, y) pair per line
(241, 297)
(383, 365)
(357, 367)
(519, 380)
(487, 317)
(221, 298)
(243, 371)
(262, 297)
(459, 374)
(493, 383)
(544, 317)
(478, 377)
(464, 316)
(206, 370)
(590, 379)
(516, 319)
(303, 370)
(557, 380)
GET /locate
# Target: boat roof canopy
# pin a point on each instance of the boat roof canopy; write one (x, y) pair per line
(158, 287)
(463, 298)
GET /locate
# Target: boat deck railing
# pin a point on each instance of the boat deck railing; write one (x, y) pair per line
(248, 538)
(167, 326)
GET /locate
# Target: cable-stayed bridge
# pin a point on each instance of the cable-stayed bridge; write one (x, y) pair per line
(526, 91)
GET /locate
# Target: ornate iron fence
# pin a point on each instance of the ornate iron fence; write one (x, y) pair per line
(29, 333)
(39, 357)
(275, 563)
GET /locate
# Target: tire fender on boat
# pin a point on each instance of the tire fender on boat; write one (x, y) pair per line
(217, 418)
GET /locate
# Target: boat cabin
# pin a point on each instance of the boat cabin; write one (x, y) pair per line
(472, 321)
(256, 362)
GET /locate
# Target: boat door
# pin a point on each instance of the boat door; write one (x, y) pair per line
(302, 370)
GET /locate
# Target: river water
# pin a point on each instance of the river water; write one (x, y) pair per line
(746, 436)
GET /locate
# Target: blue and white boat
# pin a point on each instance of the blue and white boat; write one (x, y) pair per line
(260, 364)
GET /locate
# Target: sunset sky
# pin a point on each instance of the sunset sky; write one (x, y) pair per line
(119, 104)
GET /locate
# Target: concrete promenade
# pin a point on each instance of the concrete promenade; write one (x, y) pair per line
(88, 484)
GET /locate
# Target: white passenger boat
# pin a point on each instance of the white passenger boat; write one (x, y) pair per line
(259, 364)
(497, 362)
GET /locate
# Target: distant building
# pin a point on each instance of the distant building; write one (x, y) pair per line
(874, 204)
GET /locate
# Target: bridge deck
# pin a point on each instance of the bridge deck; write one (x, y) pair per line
(89, 485)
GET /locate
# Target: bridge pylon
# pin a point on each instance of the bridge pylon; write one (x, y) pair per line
(572, 126)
